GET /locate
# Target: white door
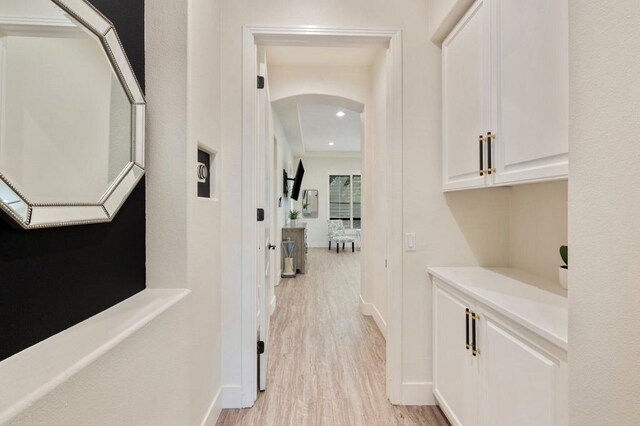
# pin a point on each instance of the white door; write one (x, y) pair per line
(531, 119)
(466, 98)
(520, 382)
(264, 188)
(455, 367)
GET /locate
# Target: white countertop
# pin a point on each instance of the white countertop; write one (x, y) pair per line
(538, 305)
(29, 375)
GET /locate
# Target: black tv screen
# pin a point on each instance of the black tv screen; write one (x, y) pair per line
(285, 183)
(297, 181)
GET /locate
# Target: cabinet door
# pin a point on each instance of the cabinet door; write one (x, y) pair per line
(531, 97)
(520, 382)
(466, 98)
(455, 371)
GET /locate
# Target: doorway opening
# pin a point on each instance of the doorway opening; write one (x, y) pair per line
(380, 161)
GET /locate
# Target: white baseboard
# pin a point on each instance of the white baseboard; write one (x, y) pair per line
(369, 309)
(273, 305)
(214, 410)
(318, 244)
(418, 393)
(232, 397)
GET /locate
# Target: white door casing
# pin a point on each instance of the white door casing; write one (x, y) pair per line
(264, 200)
(320, 36)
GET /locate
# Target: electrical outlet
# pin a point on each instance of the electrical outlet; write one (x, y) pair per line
(410, 242)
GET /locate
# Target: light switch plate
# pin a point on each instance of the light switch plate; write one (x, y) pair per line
(410, 242)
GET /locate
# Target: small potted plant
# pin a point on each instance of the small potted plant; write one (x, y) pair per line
(563, 272)
(293, 215)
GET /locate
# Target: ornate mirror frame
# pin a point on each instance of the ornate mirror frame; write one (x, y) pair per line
(43, 215)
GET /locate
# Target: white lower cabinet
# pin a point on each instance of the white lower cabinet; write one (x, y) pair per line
(513, 379)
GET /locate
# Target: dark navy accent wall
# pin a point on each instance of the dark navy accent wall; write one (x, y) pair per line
(52, 279)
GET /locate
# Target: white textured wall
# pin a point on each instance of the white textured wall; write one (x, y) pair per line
(451, 230)
(284, 161)
(347, 82)
(538, 227)
(604, 212)
(169, 372)
(444, 15)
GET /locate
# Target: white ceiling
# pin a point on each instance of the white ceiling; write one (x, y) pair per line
(310, 127)
(322, 56)
(320, 126)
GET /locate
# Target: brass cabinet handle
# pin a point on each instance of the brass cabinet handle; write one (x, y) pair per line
(491, 169)
(474, 338)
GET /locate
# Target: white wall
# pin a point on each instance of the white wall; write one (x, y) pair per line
(444, 15)
(451, 230)
(604, 212)
(284, 161)
(538, 227)
(169, 372)
(346, 82)
(316, 176)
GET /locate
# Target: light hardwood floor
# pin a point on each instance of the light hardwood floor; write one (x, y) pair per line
(326, 360)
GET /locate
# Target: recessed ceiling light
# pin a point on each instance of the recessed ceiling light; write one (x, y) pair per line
(340, 114)
(331, 144)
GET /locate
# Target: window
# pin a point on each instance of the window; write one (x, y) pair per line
(345, 195)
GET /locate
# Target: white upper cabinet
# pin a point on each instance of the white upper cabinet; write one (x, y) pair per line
(466, 75)
(505, 73)
(531, 71)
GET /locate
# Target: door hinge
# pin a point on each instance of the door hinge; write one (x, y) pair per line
(260, 215)
(260, 82)
(385, 263)
(260, 347)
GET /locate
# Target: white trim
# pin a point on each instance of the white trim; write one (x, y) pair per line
(272, 310)
(211, 418)
(332, 154)
(323, 36)
(370, 310)
(249, 232)
(395, 228)
(58, 358)
(418, 393)
(231, 397)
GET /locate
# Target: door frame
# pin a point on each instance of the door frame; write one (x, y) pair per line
(328, 37)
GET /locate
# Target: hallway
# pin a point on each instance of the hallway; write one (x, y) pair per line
(326, 360)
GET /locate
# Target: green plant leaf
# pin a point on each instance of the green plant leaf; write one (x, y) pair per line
(564, 254)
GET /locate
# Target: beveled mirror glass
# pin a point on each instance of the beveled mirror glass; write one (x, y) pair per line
(71, 115)
(310, 203)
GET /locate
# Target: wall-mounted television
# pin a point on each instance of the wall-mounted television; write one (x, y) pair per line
(297, 182)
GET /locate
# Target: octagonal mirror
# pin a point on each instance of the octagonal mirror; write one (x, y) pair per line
(71, 115)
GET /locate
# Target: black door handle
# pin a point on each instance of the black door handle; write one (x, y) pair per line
(481, 155)
(489, 160)
(467, 314)
(271, 246)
